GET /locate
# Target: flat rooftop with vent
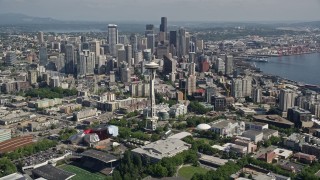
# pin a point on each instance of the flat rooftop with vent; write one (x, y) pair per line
(162, 148)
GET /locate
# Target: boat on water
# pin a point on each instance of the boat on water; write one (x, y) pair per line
(254, 59)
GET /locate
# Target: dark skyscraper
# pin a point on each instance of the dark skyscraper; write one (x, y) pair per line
(83, 39)
(173, 38)
(181, 44)
(134, 42)
(70, 59)
(149, 29)
(163, 25)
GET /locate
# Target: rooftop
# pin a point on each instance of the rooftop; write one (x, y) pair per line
(51, 173)
(221, 123)
(213, 159)
(273, 118)
(163, 148)
(99, 155)
(180, 135)
(251, 133)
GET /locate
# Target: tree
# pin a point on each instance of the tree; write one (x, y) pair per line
(6, 167)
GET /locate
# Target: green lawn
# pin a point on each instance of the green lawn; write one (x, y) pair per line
(82, 174)
(188, 171)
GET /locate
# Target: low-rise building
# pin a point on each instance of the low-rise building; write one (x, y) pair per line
(311, 149)
(300, 117)
(295, 141)
(227, 127)
(162, 148)
(5, 134)
(251, 147)
(178, 109)
(268, 133)
(85, 114)
(305, 158)
(44, 103)
(283, 153)
(255, 136)
(258, 126)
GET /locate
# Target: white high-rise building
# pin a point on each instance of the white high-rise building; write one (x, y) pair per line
(191, 84)
(113, 38)
(236, 88)
(94, 46)
(241, 87)
(229, 65)
(82, 64)
(257, 95)
(220, 65)
(128, 49)
(287, 99)
(91, 60)
(138, 57)
(40, 37)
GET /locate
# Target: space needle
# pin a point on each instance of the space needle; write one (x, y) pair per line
(152, 120)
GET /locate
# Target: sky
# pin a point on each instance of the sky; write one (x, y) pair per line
(175, 10)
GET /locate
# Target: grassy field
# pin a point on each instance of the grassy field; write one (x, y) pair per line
(82, 174)
(188, 171)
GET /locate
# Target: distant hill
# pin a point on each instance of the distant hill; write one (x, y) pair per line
(16, 18)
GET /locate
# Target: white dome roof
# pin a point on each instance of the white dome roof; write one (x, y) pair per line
(203, 127)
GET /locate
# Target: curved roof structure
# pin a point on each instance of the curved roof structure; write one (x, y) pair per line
(203, 127)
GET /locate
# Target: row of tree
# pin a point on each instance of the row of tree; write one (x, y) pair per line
(198, 108)
(56, 92)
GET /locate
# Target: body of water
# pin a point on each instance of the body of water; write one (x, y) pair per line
(301, 68)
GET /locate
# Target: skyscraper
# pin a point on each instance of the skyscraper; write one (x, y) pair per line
(91, 59)
(146, 54)
(163, 25)
(128, 49)
(83, 39)
(138, 57)
(229, 65)
(60, 63)
(121, 56)
(191, 84)
(113, 38)
(169, 65)
(11, 58)
(123, 39)
(134, 42)
(173, 38)
(287, 99)
(149, 29)
(94, 46)
(40, 37)
(241, 87)
(43, 55)
(151, 42)
(70, 59)
(81, 64)
(181, 44)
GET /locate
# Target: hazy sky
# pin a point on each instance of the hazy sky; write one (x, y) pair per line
(175, 10)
